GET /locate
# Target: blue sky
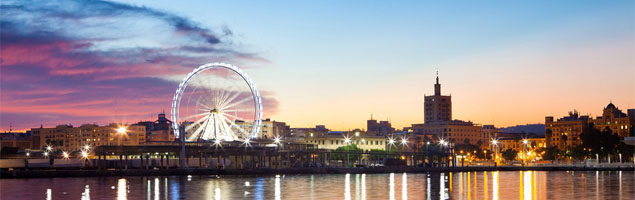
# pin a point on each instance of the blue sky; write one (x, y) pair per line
(505, 63)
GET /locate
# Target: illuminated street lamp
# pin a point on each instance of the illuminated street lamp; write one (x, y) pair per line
(495, 146)
(347, 140)
(84, 154)
(121, 131)
(46, 154)
(65, 155)
(87, 147)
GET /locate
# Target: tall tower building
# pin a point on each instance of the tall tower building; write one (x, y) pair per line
(437, 108)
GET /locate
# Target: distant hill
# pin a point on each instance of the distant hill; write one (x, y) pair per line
(538, 129)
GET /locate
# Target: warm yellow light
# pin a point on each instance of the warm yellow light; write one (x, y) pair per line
(525, 141)
(357, 133)
(494, 142)
(49, 148)
(84, 154)
(121, 130)
(65, 154)
(87, 147)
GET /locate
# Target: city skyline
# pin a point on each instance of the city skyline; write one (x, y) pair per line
(562, 57)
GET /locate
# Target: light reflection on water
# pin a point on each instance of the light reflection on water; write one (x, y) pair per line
(457, 185)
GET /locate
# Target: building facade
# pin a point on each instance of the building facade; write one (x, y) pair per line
(455, 131)
(269, 128)
(437, 107)
(15, 140)
(381, 128)
(68, 138)
(565, 132)
(615, 120)
(336, 139)
(158, 131)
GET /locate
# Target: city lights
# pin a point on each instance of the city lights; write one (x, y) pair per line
(391, 141)
(347, 140)
(65, 155)
(276, 140)
(494, 141)
(84, 154)
(46, 154)
(49, 148)
(121, 130)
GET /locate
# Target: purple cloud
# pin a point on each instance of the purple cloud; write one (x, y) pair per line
(94, 61)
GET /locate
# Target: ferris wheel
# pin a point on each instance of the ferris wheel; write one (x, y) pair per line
(217, 101)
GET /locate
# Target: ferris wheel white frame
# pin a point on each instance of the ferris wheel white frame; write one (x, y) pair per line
(179, 93)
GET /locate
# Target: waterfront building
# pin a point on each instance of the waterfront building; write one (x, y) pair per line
(269, 128)
(615, 120)
(158, 131)
(334, 139)
(490, 132)
(437, 107)
(15, 140)
(455, 131)
(68, 138)
(565, 132)
(438, 122)
(319, 130)
(381, 128)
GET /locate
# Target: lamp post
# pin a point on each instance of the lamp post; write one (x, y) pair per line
(525, 142)
(347, 141)
(495, 146)
(121, 131)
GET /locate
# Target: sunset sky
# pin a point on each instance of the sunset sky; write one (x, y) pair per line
(323, 62)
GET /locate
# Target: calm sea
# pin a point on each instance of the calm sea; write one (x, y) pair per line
(465, 185)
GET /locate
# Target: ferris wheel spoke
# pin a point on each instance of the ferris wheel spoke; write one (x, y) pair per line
(230, 99)
(226, 127)
(238, 110)
(236, 125)
(197, 122)
(198, 131)
(202, 104)
(237, 103)
(195, 116)
(234, 116)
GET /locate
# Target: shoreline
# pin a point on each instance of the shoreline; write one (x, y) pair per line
(54, 173)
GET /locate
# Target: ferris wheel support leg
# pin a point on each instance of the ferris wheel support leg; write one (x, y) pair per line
(182, 153)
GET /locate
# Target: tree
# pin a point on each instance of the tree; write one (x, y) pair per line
(599, 142)
(509, 154)
(352, 150)
(551, 153)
